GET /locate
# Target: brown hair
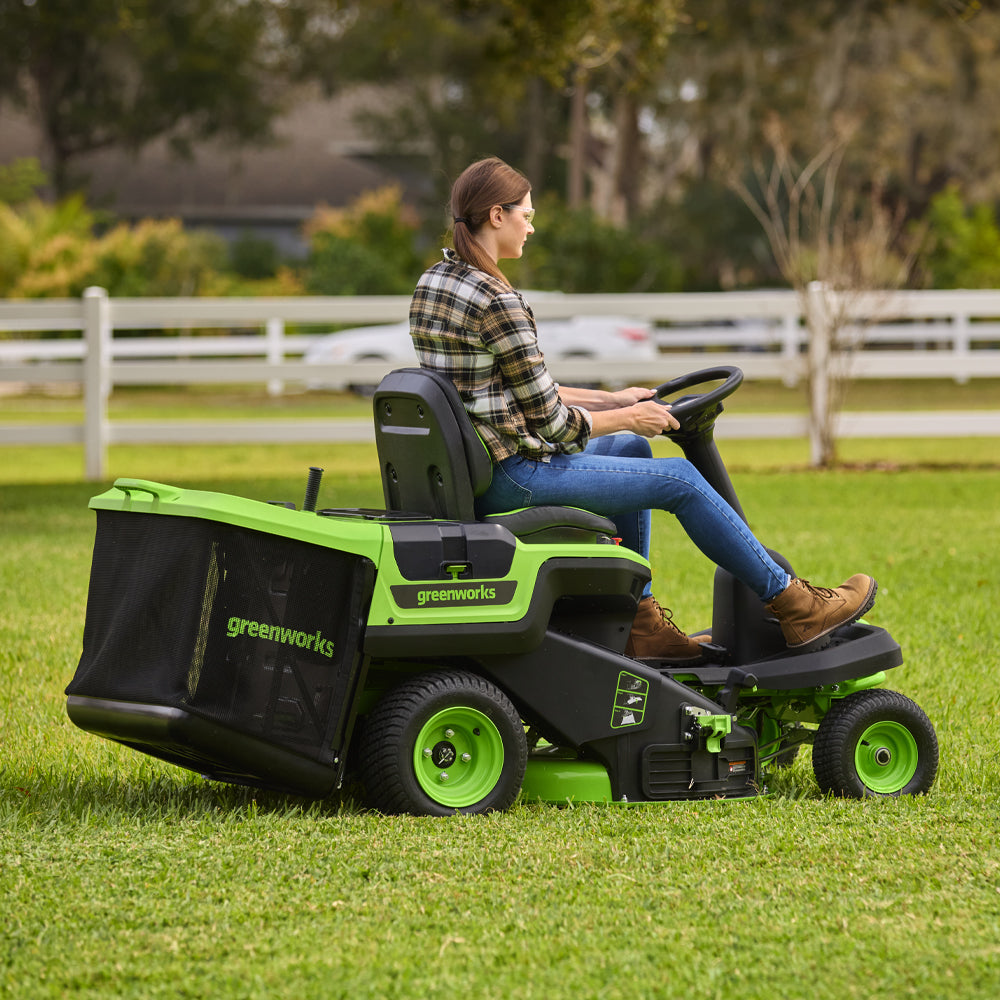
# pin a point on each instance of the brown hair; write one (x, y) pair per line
(479, 187)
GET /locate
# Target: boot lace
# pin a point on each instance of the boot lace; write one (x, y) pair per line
(667, 616)
(822, 592)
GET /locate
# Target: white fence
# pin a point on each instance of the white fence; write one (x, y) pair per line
(923, 334)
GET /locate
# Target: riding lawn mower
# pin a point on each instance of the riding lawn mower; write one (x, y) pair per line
(447, 663)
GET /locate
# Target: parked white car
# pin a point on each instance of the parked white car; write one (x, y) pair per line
(596, 338)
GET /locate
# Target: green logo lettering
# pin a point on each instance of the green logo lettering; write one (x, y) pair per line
(415, 596)
(279, 633)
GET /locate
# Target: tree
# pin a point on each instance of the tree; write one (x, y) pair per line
(555, 88)
(608, 55)
(833, 244)
(918, 77)
(101, 73)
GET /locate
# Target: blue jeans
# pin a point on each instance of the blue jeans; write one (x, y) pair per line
(617, 476)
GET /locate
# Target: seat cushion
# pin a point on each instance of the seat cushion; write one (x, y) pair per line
(545, 524)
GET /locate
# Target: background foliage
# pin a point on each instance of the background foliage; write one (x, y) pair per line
(633, 120)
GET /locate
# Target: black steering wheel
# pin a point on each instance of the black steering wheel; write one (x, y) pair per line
(697, 411)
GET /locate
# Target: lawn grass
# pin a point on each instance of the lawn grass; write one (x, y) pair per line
(58, 403)
(123, 876)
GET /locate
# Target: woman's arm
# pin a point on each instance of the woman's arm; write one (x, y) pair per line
(598, 399)
(558, 414)
(627, 410)
(646, 418)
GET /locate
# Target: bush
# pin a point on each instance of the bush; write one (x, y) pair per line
(368, 248)
(19, 180)
(575, 251)
(51, 251)
(254, 257)
(157, 257)
(961, 248)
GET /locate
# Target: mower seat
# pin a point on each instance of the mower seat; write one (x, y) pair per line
(434, 464)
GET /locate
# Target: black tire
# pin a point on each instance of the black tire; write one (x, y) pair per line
(875, 744)
(443, 743)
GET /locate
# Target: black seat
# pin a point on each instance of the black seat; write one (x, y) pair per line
(434, 464)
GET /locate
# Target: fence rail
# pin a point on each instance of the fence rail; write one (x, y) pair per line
(915, 334)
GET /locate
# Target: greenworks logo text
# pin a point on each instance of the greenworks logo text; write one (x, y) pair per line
(278, 633)
(456, 594)
(413, 596)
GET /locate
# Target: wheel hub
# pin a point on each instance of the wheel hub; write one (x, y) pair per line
(886, 757)
(443, 754)
(458, 756)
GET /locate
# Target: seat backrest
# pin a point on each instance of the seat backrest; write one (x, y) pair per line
(432, 460)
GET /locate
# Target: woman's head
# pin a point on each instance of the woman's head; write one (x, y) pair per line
(487, 225)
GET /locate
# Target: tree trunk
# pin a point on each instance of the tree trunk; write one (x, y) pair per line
(576, 171)
(628, 158)
(536, 142)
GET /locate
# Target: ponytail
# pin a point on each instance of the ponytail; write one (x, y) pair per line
(480, 186)
(471, 251)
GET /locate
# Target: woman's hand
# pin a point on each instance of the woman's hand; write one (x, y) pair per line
(643, 415)
(650, 418)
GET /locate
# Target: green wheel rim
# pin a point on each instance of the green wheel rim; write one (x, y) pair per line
(458, 757)
(886, 757)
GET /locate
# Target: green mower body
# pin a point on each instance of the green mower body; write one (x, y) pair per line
(449, 663)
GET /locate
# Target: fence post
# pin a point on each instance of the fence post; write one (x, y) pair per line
(790, 337)
(960, 343)
(275, 333)
(819, 373)
(96, 380)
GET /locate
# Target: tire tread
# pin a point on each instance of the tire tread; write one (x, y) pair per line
(833, 747)
(385, 732)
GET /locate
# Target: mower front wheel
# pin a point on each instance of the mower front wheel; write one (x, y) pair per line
(875, 743)
(441, 743)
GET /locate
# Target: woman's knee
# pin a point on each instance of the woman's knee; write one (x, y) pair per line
(621, 445)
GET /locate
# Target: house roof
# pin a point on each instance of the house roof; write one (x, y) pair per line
(318, 156)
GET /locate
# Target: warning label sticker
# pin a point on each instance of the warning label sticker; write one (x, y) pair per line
(630, 701)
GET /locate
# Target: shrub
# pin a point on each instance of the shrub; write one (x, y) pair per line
(575, 251)
(50, 250)
(961, 248)
(19, 180)
(367, 248)
(253, 257)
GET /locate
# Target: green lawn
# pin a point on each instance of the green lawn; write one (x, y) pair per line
(122, 876)
(204, 403)
(245, 402)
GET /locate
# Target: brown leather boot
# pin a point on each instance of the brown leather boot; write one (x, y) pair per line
(654, 636)
(808, 613)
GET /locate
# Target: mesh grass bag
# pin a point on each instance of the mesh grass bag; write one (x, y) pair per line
(256, 632)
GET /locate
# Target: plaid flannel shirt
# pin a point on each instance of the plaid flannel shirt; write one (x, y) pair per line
(481, 333)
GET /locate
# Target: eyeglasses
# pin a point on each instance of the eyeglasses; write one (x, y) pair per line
(529, 213)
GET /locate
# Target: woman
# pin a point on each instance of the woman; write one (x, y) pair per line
(553, 444)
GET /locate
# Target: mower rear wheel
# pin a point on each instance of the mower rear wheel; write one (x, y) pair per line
(875, 743)
(441, 743)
